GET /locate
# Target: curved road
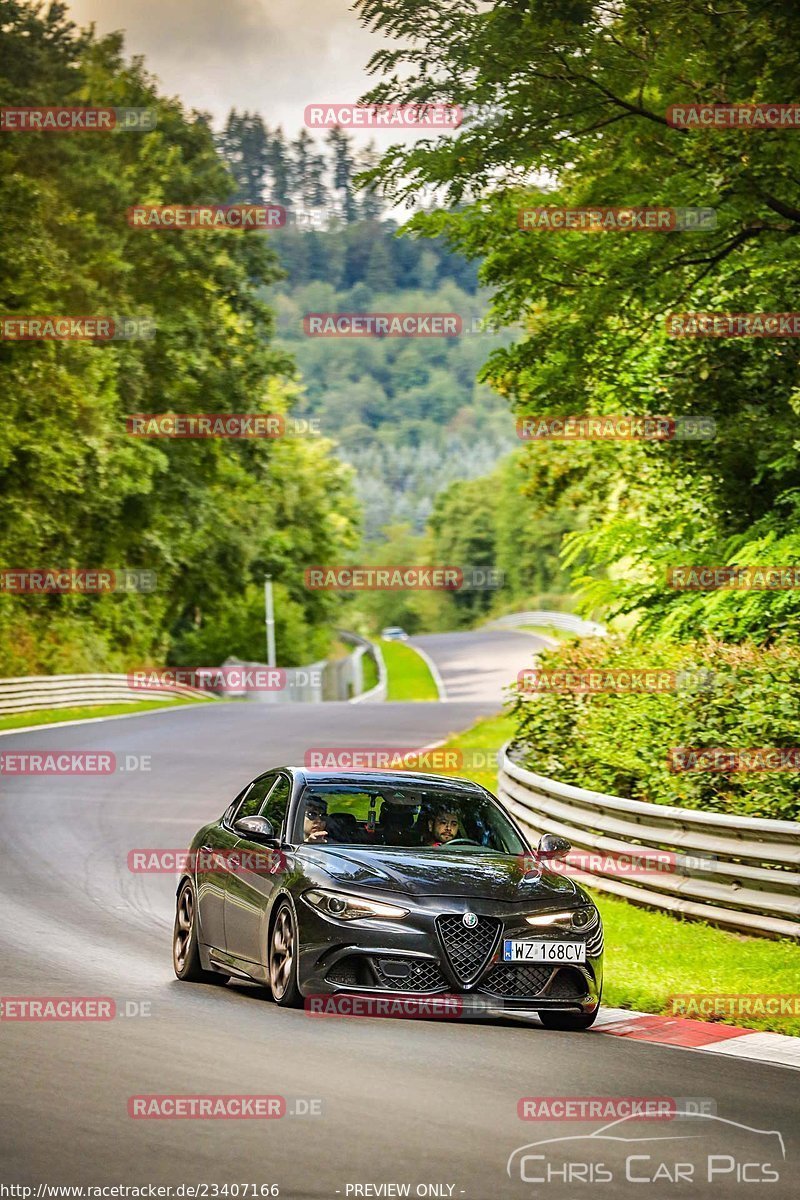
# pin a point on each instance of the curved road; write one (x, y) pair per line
(402, 1102)
(479, 665)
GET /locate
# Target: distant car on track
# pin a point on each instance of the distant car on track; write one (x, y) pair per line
(393, 633)
(386, 883)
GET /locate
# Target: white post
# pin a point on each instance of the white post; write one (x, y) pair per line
(269, 620)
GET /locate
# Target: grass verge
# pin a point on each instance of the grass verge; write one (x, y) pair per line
(408, 674)
(652, 956)
(370, 668)
(47, 716)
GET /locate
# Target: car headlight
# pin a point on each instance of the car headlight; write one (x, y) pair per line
(351, 908)
(581, 919)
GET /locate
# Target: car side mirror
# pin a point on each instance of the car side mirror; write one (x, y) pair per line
(551, 846)
(256, 829)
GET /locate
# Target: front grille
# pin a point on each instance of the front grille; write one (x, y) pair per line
(468, 950)
(515, 980)
(424, 976)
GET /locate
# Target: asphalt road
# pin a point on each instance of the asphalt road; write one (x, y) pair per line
(402, 1102)
(477, 666)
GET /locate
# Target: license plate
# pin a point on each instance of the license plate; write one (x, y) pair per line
(517, 950)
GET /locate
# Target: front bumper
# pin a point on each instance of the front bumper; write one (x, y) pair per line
(412, 957)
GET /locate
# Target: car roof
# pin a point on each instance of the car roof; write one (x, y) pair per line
(387, 778)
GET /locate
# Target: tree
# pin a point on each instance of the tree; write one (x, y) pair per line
(207, 517)
(341, 148)
(567, 106)
(280, 168)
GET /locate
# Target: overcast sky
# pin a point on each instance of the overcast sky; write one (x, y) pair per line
(275, 56)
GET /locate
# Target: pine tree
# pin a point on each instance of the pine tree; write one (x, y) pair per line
(280, 168)
(370, 205)
(341, 146)
(255, 157)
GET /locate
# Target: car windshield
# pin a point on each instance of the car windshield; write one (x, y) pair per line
(413, 815)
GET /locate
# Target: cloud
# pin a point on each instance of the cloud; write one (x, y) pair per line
(275, 56)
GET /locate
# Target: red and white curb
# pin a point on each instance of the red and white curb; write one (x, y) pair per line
(710, 1037)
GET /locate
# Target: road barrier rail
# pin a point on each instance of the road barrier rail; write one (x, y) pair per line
(365, 647)
(741, 873)
(31, 692)
(567, 622)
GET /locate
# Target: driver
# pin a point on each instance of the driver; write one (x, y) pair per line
(442, 827)
(315, 820)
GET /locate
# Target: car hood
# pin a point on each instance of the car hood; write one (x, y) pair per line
(440, 872)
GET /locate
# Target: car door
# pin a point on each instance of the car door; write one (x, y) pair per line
(251, 883)
(215, 846)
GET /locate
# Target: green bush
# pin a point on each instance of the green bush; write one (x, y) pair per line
(731, 696)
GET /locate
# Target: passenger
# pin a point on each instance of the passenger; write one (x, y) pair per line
(315, 820)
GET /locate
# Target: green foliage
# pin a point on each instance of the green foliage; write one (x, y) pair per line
(208, 517)
(499, 523)
(567, 106)
(406, 413)
(731, 696)
(413, 610)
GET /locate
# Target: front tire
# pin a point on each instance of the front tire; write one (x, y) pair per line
(185, 950)
(568, 1020)
(283, 953)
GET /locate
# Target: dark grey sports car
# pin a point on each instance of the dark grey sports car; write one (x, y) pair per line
(387, 883)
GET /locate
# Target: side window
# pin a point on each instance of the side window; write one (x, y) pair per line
(251, 805)
(277, 802)
(230, 811)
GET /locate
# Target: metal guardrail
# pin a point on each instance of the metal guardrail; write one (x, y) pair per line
(379, 691)
(558, 620)
(742, 873)
(31, 692)
(324, 680)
